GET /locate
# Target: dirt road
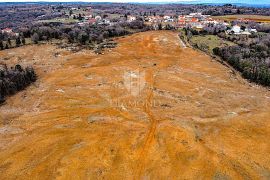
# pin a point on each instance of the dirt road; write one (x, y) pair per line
(148, 109)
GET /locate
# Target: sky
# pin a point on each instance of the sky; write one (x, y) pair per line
(141, 1)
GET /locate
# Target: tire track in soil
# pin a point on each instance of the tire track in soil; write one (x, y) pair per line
(152, 127)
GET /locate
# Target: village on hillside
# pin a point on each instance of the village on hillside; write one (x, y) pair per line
(87, 16)
(169, 21)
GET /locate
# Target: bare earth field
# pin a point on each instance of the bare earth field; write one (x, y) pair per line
(256, 18)
(193, 118)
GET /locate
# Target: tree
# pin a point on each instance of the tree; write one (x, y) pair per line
(23, 41)
(80, 17)
(83, 37)
(9, 41)
(18, 42)
(159, 27)
(1, 45)
(35, 38)
(70, 12)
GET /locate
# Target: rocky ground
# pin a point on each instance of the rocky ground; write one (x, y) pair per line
(148, 109)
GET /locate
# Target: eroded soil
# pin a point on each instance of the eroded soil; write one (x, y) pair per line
(192, 119)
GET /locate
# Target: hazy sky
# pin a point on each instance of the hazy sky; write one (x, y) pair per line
(200, 1)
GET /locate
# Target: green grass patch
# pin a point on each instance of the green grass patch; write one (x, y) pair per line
(208, 42)
(60, 20)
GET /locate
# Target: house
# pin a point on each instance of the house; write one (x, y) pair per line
(181, 23)
(98, 18)
(253, 30)
(105, 22)
(210, 21)
(155, 19)
(81, 24)
(169, 20)
(199, 26)
(131, 18)
(151, 19)
(194, 22)
(236, 29)
(155, 26)
(7, 31)
(195, 14)
(167, 17)
(92, 21)
(88, 17)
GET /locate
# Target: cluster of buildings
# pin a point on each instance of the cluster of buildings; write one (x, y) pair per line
(236, 29)
(194, 20)
(90, 19)
(197, 21)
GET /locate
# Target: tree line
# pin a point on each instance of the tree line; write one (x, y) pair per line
(81, 35)
(15, 79)
(250, 55)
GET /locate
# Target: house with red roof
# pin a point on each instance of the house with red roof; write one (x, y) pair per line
(7, 30)
(181, 21)
(92, 21)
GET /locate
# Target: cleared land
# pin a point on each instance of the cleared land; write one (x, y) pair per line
(205, 122)
(256, 18)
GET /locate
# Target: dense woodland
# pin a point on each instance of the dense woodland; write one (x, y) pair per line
(178, 9)
(14, 79)
(250, 55)
(73, 33)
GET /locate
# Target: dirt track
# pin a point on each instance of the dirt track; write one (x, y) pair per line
(192, 119)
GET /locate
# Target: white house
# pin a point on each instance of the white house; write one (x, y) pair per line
(131, 18)
(88, 17)
(167, 17)
(98, 18)
(253, 30)
(236, 29)
(195, 14)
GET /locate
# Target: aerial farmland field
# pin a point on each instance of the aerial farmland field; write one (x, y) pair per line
(256, 18)
(193, 118)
